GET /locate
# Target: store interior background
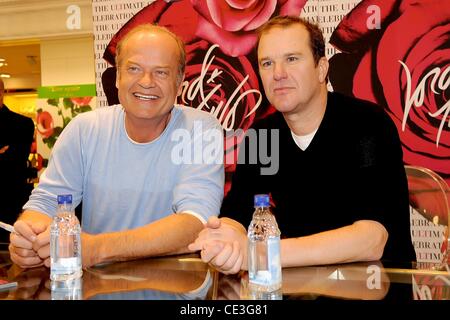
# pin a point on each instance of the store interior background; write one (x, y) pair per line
(44, 43)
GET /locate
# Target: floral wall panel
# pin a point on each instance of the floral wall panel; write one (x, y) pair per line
(56, 106)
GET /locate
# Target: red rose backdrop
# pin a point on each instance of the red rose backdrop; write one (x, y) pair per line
(221, 72)
(404, 66)
(401, 62)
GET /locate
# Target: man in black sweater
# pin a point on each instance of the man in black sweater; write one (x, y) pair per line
(340, 193)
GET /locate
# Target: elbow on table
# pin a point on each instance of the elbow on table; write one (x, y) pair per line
(377, 239)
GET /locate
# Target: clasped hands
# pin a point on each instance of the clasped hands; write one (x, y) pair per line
(222, 244)
(30, 245)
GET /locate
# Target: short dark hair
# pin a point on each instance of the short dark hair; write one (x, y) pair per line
(316, 40)
(152, 27)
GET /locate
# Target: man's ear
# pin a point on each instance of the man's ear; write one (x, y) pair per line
(323, 66)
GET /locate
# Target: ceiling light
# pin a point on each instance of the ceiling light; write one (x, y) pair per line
(3, 62)
(5, 75)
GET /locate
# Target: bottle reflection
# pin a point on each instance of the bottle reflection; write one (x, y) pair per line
(249, 292)
(261, 295)
(67, 290)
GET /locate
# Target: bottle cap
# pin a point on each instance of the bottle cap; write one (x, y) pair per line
(65, 198)
(262, 200)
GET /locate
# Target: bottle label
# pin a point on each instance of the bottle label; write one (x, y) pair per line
(65, 265)
(265, 263)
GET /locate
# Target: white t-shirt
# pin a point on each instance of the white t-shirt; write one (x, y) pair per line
(303, 141)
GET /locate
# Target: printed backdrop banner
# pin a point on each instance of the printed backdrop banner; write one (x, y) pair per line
(56, 106)
(392, 52)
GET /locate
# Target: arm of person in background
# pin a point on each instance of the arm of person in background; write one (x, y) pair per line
(223, 244)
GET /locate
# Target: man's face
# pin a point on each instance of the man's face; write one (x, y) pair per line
(288, 72)
(147, 75)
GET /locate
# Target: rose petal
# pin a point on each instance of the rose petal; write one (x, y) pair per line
(263, 16)
(232, 44)
(81, 101)
(44, 124)
(351, 33)
(291, 7)
(363, 82)
(181, 19)
(235, 20)
(241, 4)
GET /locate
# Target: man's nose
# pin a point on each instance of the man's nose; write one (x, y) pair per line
(147, 80)
(279, 71)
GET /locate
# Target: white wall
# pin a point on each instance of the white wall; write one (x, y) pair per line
(24, 19)
(67, 61)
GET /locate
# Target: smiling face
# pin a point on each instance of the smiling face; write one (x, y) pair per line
(148, 77)
(292, 80)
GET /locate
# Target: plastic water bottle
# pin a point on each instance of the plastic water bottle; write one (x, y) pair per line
(264, 263)
(65, 242)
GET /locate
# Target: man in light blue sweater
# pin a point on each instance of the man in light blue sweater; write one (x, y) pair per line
(130, 164)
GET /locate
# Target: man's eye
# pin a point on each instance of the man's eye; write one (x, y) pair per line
(162, 73)
(292, 58)
(266, 64)
(133, 69)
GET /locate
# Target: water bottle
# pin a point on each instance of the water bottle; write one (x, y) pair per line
(65, 242)
(264, 263)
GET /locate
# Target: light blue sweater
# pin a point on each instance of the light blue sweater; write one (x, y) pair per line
(124, 184)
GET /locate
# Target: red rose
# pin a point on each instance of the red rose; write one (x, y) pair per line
(44, 124)
(232, 24)
(83, 101)
(406, 60)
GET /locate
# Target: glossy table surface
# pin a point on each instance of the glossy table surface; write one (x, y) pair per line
(186, 277)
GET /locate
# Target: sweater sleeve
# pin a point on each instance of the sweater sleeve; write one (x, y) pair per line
(200, 190)
(383, 194)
